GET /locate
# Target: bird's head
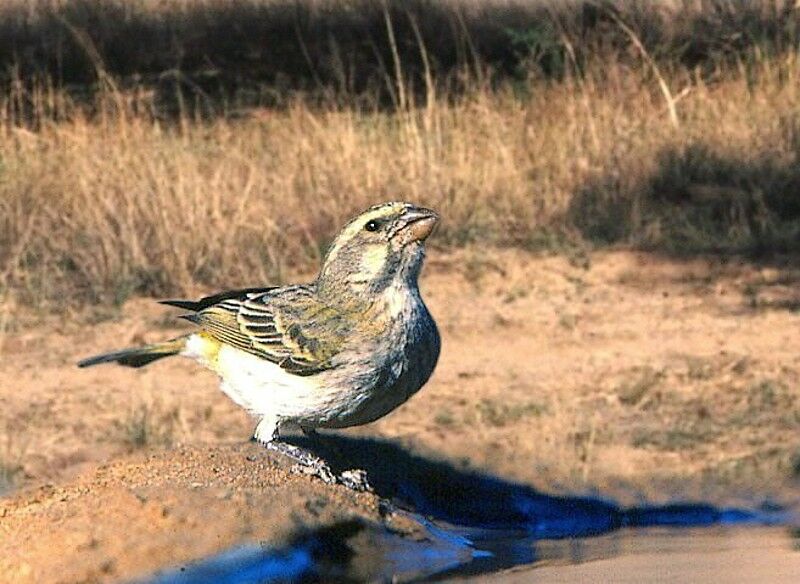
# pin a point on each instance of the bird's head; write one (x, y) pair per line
(381, 247)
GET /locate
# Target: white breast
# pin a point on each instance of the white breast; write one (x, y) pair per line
(259, 386)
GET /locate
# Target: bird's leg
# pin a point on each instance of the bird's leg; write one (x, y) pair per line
(354, 478)
(267, 433)
(307, 462)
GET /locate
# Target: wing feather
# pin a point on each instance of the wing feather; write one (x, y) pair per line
(208, 301)
(287, 326)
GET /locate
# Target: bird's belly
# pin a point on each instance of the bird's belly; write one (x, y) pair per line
(261, 387)
(338, 398)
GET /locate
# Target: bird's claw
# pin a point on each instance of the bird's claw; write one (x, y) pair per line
(310, 464)
(355, 479)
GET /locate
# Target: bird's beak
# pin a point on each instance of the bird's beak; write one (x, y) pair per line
(418, 223)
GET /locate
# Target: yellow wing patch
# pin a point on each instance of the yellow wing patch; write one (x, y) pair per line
(208, 347)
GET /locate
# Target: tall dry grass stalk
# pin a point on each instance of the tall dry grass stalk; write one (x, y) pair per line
(103, 197)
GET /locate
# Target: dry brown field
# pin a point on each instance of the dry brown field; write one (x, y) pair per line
(615, 275)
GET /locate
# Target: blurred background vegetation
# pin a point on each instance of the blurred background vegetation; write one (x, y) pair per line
(163, 146)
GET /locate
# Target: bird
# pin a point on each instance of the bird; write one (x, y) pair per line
(343, 350)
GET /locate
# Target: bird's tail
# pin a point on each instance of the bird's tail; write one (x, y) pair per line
(138, 356)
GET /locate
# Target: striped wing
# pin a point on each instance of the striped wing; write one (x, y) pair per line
(287, 326)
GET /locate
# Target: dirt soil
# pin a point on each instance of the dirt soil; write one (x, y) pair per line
(626, 374)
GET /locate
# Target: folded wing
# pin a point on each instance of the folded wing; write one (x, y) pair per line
(287, 326)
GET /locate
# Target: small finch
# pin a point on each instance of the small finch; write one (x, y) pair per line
(342, 351)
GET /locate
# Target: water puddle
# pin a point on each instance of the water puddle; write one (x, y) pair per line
(732, 554)
(466, 523)
(363, 552)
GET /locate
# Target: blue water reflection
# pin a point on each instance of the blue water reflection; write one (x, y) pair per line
(472, 523)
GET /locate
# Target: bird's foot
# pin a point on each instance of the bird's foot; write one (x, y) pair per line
(309, 463)
(355, 479)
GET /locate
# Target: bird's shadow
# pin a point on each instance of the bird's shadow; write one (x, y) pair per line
(473, 499)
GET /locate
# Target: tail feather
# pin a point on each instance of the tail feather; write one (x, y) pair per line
(138, 356)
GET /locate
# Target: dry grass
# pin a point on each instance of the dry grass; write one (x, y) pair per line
(148, 426)
(107, 191)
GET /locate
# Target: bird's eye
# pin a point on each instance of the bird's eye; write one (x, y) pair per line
(372, 225)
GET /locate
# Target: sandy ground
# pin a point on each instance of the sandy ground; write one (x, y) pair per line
(625, 374)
